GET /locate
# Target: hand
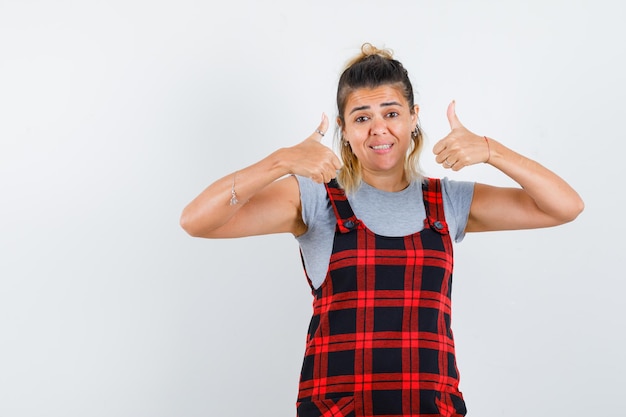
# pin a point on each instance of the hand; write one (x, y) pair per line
(312, 159)
(460, 148)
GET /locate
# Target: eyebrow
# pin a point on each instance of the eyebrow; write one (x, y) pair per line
(386, 104)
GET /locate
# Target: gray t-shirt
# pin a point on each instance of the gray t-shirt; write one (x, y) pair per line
(385, 213)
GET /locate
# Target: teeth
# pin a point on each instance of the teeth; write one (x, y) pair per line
(377, 147)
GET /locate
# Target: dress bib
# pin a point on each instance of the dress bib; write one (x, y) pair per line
(379, 342)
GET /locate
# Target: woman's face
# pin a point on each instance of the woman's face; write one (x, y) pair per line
(378, 126)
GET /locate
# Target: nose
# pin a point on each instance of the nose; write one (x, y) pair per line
(379, 127)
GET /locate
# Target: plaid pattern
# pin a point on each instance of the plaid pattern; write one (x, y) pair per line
(379, 341)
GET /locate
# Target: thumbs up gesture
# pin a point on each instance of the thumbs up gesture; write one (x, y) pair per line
(310, 158)
(460, 148)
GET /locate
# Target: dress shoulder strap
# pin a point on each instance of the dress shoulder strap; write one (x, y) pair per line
(346, 219)
(433, 202)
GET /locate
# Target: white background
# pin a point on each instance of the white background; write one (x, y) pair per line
(114, 115)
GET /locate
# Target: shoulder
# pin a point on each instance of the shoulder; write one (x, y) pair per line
(455, 187)
(313, 198)
(457, 199)
(457, 195)
(309, 189)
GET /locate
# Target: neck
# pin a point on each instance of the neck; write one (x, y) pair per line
(389, 183)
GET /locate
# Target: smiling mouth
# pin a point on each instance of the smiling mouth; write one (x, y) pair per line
(381, 147)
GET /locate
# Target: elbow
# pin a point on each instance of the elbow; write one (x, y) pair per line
(196, 225)
(184, 223)
(188, 225)
(574, 209)
(580, 206)
(199, 223)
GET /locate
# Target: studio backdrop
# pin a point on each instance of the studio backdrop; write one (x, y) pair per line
(114, 115)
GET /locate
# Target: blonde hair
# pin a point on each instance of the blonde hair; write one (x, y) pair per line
(371, 68)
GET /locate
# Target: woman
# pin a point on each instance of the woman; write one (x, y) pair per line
(376, 240)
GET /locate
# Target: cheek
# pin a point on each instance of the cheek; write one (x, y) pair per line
(403, 132)
(356, 133)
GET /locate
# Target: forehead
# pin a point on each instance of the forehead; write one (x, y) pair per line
(373, 97)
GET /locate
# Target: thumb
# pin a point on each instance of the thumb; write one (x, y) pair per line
(321, 128)
(452, 118)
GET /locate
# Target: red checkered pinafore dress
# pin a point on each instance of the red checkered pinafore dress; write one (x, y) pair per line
(379, 342)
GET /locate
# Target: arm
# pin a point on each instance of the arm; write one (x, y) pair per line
(543, 200)
(269, 202)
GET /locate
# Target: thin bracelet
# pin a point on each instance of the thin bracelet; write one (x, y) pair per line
(233, 194)
(488, 150)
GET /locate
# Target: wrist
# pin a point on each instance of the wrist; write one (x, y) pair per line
(279, 163)
(488, 150)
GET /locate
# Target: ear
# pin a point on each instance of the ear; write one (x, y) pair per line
(341, 127)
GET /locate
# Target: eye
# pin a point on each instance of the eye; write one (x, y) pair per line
(392, 114)
(361, 119)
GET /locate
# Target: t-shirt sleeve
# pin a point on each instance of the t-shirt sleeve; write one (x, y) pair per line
(313, 200)
(457, 199)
